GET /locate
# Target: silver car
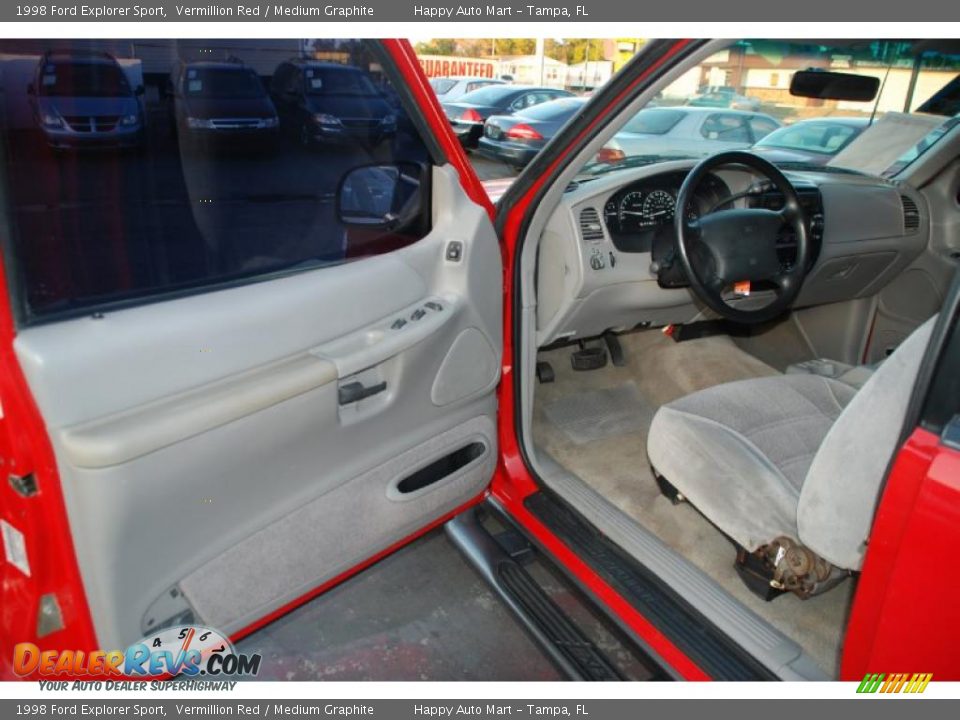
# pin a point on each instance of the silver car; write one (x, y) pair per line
(452, 88)
(690, 131)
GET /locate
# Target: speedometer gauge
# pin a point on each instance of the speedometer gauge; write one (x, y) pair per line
(631, 210)
(658, 207)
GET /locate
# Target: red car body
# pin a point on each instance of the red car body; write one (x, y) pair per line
(899, 621)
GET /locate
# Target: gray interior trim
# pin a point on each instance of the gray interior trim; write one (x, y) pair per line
(127, 435)
(374, 343)
(771, 647)
(89, 368)
(342, 527)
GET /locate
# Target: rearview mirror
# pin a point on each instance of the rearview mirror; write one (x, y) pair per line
(826, 85)
(380, 196)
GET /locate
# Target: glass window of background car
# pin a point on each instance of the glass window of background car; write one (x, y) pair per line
(91, 79)
(336, 81)
(726, 128)
(224, 83)
(471, 86)
(761, 126)
(552, 110)
(490, 95)
(444, 85)
(653, 122)
(143, 191)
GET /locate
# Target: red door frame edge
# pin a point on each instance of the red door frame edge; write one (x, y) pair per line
(515, 483)
(25, 448)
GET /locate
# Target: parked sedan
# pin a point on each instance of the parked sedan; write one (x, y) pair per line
(449, 89)
(516, 139)
(691, 131)
(723, 97)
(812, 142)
(469, 113)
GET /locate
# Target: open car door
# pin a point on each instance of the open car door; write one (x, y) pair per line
(896, 622)
(243, 357)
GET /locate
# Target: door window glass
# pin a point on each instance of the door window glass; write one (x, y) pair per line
(135, 169)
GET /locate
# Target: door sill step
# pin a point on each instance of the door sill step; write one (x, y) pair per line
(557, 634)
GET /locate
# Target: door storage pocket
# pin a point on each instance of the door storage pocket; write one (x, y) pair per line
(441, 468)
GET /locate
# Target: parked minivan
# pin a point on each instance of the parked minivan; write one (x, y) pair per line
(222, 101)
(85, 99)
(322, 102)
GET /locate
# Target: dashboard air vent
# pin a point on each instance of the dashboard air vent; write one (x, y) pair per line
(911, 214)
(590, 228)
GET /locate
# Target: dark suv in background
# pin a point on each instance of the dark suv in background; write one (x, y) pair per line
(85, 99)
(321, 102)
(226, 101)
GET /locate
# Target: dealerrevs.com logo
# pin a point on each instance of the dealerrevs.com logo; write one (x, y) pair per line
(185, 650)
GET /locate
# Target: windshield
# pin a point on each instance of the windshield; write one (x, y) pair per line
(223, 83)
(337, 81)
(740, 98)
(553, 110)
(83, 79)
(653, 122)
(819, 136)
(442, 85)
(489, 95)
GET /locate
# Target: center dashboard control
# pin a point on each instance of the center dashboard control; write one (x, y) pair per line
(596, 259)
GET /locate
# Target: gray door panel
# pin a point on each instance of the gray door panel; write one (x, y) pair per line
(204, 447)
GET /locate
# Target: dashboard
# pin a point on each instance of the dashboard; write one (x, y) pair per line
(605, 255)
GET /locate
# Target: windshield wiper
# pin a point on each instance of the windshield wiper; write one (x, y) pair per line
(629, 162)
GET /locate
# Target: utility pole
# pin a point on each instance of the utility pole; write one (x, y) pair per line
(541, 57)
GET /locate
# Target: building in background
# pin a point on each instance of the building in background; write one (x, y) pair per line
(534, 70)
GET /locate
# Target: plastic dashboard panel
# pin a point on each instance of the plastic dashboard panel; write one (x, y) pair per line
(588, 286)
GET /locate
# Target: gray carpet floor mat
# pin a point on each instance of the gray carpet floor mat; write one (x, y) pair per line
(616, 466)
(597, 414)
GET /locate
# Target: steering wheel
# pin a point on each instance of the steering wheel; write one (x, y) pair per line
(730, 246)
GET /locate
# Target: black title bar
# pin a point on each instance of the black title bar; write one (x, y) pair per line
(827, 11)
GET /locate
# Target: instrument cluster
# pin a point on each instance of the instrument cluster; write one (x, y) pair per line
(638, 212)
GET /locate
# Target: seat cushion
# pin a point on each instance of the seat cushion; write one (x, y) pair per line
(740, 451)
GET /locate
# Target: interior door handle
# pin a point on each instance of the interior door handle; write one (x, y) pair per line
(355, 391)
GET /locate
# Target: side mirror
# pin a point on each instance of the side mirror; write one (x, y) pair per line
(825, 85)
(383, 196)
(30, 90)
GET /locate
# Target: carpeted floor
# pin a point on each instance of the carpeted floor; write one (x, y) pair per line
(613, 461)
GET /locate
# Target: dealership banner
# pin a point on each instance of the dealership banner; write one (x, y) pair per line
(425, 11)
